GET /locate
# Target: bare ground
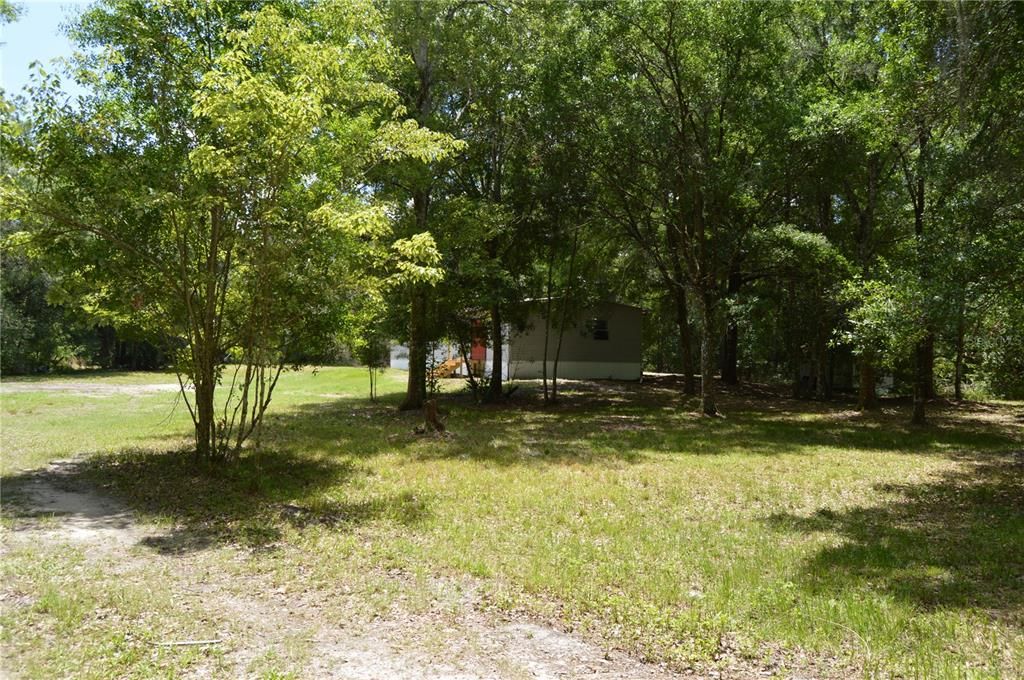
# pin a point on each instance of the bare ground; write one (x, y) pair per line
(87, 389)
(453, 637)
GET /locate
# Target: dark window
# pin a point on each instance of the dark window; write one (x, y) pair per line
(599, 329)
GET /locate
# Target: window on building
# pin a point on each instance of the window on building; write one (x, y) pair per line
(598, 329)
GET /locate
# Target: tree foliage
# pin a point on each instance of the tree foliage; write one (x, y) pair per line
(813, 193)
(212, 186)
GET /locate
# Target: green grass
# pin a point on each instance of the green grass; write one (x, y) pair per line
(79, 621)
(98, 411)
(786, 526)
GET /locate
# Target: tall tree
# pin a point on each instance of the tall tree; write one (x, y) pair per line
(711, 81)
(210, 182)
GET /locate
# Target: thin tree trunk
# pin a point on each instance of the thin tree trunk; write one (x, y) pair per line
(547, 324)
(708, 350)
(464, 352)
(682, 313)
(416, 388)
(204, 381)
(958, 381)
(730, 358)
(830, 380)
(204, 349)
(554, 363)
(925, 351)
(821, 371)
(795, 385)
(685, 341)
(793, 350)
(494, 390)
(558, 351)
(205, 435)
(867, 397)
(920, 384)
(826, 225)
(958, 378)
(821, 390)
(565, 313)
(929, 367)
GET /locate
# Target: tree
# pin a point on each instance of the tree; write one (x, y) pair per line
(701, 99)
(212, 184)
(480, 101)
(37, 334)
(928, 75)
(420, 32)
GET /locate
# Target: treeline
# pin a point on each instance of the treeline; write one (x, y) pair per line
(820, 193)
(42, 333)
(791, 190)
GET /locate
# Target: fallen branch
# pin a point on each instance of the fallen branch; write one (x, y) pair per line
(186, 643)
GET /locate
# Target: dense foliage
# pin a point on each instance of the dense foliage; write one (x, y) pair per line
(821, 193)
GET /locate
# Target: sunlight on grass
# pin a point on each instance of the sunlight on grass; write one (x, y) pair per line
(807, 526)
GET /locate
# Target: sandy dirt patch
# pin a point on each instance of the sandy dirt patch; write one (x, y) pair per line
(86, 389)
(454, 639)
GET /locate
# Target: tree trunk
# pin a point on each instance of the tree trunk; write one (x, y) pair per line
(558, 349)
(708, 350)
(867, 397)
(494, 390)
(204, 381)
(678, 289)
(416, 388)
(204, 424)
(958, 378)
(929, 366)
(821, 375)
(566, 301)
(108, 340)
(547, 326)
(821, 362)
(823, 379)
(794, 351)
(919, 396)
(924, 354)
(920, 382)
(730, 357)
(830, 380)
(431, 420)
(685, 342)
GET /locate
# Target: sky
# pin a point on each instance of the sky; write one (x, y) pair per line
(35, 36)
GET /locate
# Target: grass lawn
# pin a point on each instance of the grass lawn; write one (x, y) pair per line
(786, 528)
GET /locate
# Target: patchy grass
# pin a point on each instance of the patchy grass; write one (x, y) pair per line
(786, 527)
(71, 618)
(103, 411)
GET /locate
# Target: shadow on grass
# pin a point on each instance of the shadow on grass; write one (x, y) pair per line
(615, 424)
(247, 503)
(313, 451)
(956, 541)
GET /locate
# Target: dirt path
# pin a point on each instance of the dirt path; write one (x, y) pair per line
(452, 638)
(87, 389)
